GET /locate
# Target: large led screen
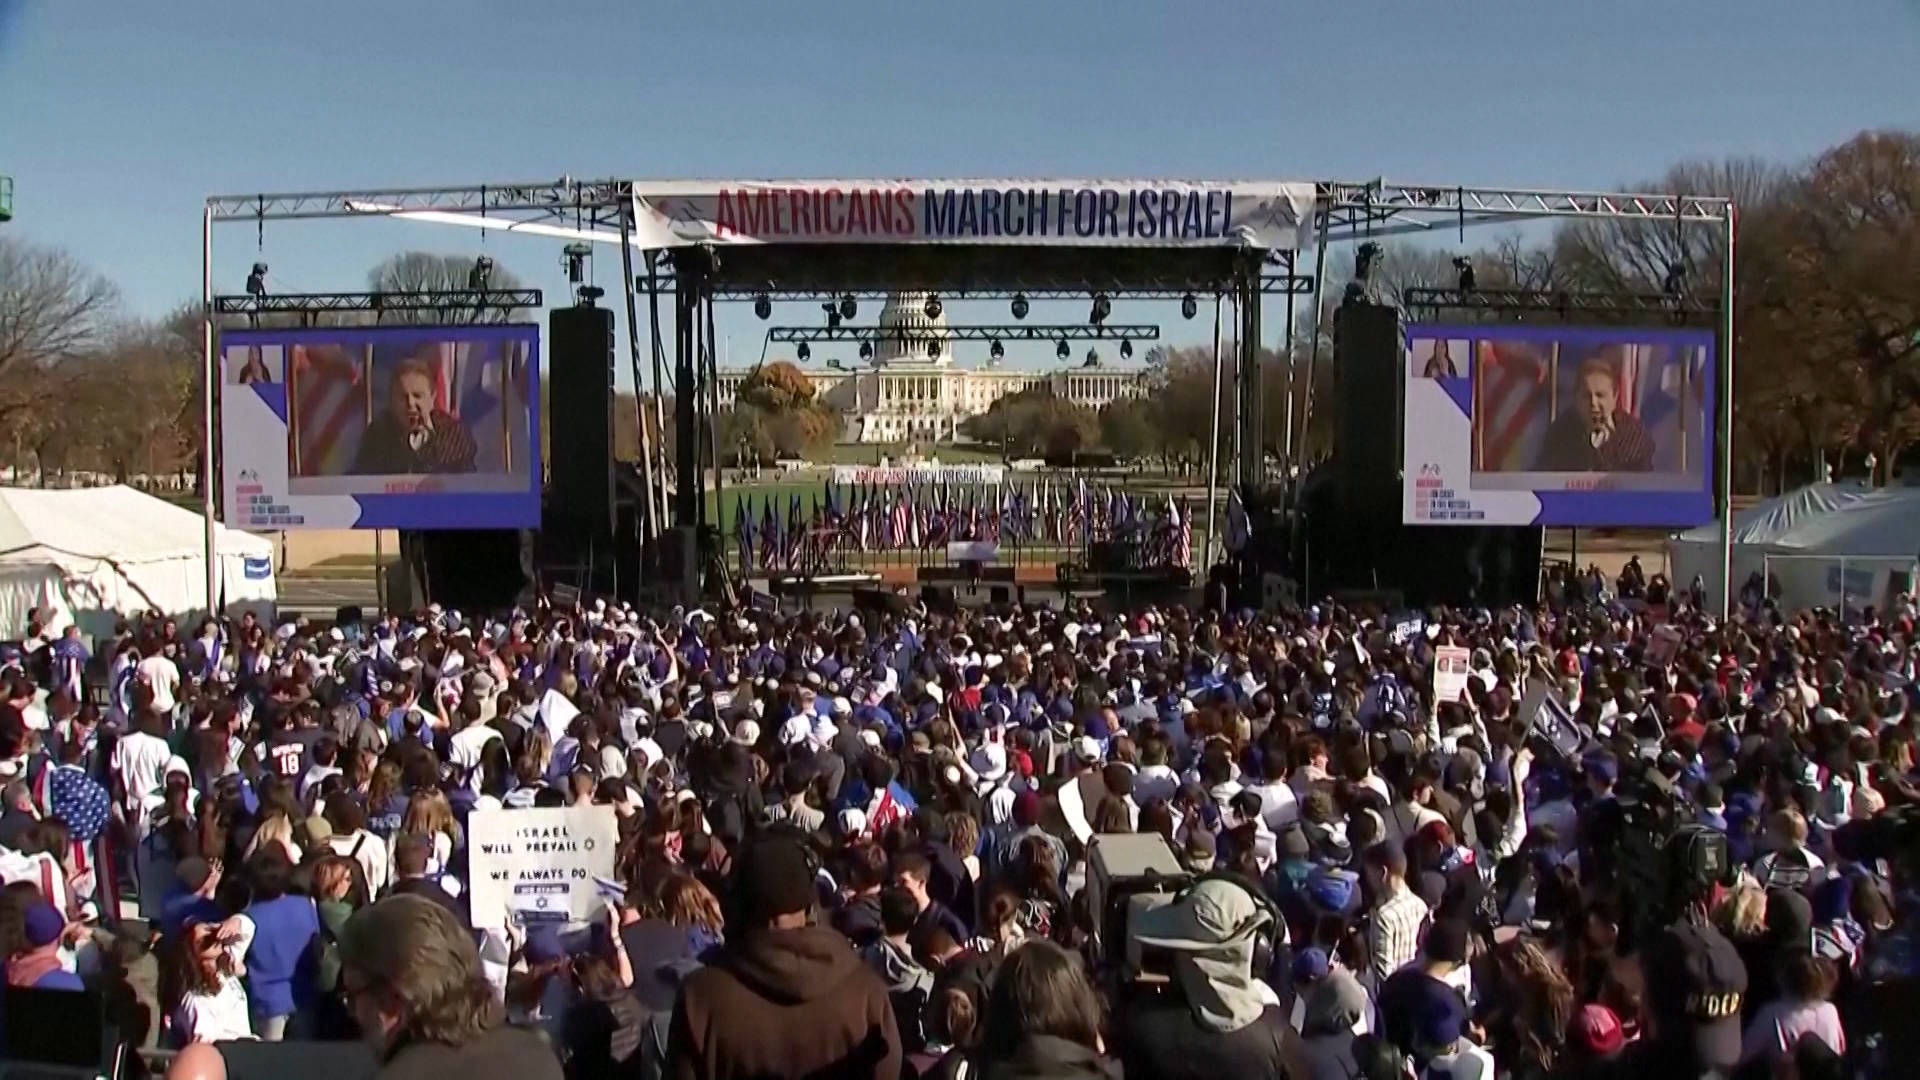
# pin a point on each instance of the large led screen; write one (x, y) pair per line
(415, 427)
(1510, 425)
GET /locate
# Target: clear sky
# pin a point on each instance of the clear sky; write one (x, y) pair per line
(119, 118)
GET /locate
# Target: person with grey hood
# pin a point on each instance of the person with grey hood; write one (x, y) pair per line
(909, 983)
(1219, 1020)
(1331, 1009)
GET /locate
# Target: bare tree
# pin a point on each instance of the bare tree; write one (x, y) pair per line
(52, 309)
(423, 271)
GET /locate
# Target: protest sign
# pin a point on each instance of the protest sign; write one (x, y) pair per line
(1551, 728)
(1451, 663)
(539, 865)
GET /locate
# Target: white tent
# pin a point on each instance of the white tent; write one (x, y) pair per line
(91, 555)
(1823, 545)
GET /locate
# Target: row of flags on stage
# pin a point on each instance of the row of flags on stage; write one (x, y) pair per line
(911, 517)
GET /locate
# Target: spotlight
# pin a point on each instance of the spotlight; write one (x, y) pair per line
(866, 350)
(933, 308)
(763, 307)
(1463, 273)
(996, 350)
(933, 350)
(587, 294)
(1019, 305)
(803, 352)
(1675, 282)
(1189, 307)
(1363, 261)
(1126, 349)
(574, 256)
(833, 315)
(479, 278)
(848, 307)
(1102, 307)
(257, 280)
(1063, 350)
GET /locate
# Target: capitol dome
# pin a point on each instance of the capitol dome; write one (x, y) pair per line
(905, 313)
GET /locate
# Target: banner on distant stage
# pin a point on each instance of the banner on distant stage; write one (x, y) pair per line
(894, 475)
(539, 865)
(1562, 426)
(1068, 213)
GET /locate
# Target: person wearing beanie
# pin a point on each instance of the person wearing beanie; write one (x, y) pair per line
(784, 997)
(37, 967)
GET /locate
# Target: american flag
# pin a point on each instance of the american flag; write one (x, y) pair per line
(1511, 385)
(330, 408)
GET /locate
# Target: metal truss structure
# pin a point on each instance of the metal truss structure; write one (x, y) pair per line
(601, 211)
(378, 302)
(1424, 304)
(1002, 332)
(1270, 285)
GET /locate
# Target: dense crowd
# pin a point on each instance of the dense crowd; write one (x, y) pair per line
(1643, 842)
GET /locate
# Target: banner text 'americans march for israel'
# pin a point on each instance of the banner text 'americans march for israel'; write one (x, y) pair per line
(1112, 213)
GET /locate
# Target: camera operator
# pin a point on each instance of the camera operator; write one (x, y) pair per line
(1695, 979)
(1216, 1019)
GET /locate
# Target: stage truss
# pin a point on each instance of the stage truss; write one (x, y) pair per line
(601, 211)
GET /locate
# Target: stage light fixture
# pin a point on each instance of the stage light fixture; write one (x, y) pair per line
(1019, 305)
(996, 350)
(1463, 273)
(1189, 307)
(1063, 350)
(1126, 349)
(803, 352)
(866, 350)
(480, 277)
(1102, 307)
(833, 315)
(933, 308)
(763, 307)
(1363, 261)
(933, 350)
(849, 307)
(257, 280)
(574, 257)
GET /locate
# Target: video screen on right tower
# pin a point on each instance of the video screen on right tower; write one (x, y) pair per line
(1574, 426)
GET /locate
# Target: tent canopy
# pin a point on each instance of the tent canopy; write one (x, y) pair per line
(1821, 543)
(90, 555)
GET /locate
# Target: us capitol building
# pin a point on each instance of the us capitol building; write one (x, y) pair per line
(908, 392)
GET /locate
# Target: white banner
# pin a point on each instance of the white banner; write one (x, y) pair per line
(539, 865)
(1067, 213)
(918, 474)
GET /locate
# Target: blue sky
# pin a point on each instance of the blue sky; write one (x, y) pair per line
(119, 119)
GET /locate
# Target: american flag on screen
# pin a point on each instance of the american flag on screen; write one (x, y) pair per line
(1512, 389)
(331, 407)
(1659, 385)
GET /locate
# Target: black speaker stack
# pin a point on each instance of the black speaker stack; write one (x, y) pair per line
(1351, 539)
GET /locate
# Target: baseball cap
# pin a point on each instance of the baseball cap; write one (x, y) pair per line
(746, 733)
(1598, 1031)
(43, 924)
(1200, 852)
(1209, 915)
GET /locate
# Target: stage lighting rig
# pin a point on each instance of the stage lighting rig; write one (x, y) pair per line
(933, 350)
(849, 307)
(763, 307)
(833, 313)
(996, 351)
(934, 307)
(257, 280)
(588, 294)
(1463, 273)
(480, 275)
(1063, 350)
(1189, 307)
(1126, 348)
(803, 352)
(1362, 284)
(1102, 307)
(1018, 306)
(866, 350)
(575, 256)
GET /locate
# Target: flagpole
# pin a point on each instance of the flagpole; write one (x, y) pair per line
(1213, 444)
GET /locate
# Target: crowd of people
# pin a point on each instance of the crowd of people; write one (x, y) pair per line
(1642, 842)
